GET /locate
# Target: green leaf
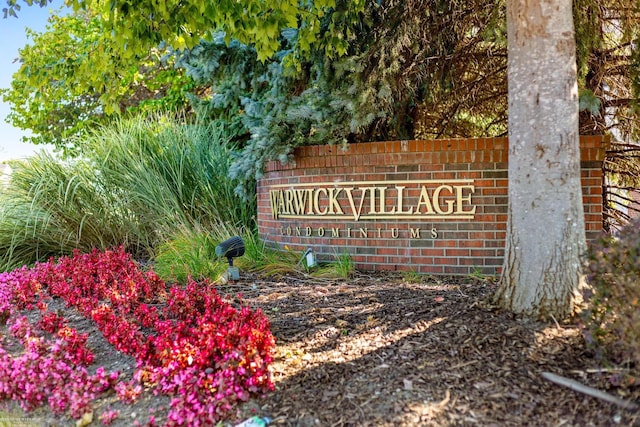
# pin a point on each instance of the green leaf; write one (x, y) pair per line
(74, 76)
(589, 102)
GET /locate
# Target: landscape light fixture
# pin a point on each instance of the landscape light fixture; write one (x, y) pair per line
(310, 257)
(231, 248)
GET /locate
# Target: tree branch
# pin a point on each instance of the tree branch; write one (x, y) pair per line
(576, 386)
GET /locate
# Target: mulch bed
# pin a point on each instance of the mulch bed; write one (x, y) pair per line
(382, 350)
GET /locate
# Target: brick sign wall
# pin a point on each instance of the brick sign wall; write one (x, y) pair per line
(435, 206)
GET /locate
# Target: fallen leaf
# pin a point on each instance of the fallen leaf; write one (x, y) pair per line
(86, 419)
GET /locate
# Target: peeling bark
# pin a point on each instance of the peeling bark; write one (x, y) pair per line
(542, 275)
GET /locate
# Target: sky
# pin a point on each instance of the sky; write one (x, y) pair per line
(13, 36)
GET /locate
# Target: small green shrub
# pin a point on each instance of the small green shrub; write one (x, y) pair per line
(190, 254)
(411, 276)
(267, 260)
(613, 312)
(342, 267)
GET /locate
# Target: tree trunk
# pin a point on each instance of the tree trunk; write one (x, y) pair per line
(542, 272)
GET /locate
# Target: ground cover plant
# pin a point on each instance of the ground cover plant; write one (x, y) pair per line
(188, 342)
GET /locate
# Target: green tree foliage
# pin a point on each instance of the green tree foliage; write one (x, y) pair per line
(364, 70)
(607, 33)
(417, 69)
(401, 59)
(72, 77)
(13, 7)
(274, 110)
(139, 26)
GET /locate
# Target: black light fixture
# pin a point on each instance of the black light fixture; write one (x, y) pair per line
(231, 248)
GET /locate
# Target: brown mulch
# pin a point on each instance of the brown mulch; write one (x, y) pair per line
(383, 350)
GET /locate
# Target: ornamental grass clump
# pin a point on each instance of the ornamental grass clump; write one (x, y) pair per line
(613, 314)
(139, 181)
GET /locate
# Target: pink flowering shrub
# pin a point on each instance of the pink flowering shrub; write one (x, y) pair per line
(44, 374)
(74, 346)
(108, 417)
(51, 322)
(197, 348)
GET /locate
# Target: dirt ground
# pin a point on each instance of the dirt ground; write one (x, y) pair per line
(381, 350)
